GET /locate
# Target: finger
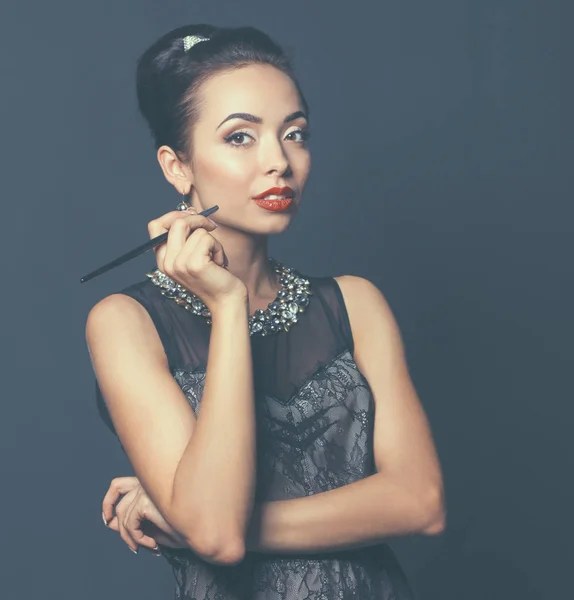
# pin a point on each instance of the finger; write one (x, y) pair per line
(201, 250)
(189, 261)
(162, 225)
(178, 236)
(118, 486)
(208, 248)
(133, 524)
(155, 523)
(218, 255)
(169, 221)
(121, 510)
(162, 537)
(113, 524)
(205, 248)
(189, 210)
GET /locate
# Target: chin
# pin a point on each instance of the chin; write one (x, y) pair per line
(280, 227)
(276, 225)
(271, 224)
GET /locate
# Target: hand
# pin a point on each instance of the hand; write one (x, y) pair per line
(137, 519)
(194, 258)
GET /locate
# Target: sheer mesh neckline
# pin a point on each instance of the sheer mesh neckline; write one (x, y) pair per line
(280, 315)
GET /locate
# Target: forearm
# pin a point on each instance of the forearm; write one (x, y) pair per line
(360, 514)
(214, 481)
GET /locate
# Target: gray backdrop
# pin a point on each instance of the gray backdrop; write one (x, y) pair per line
(442, 146)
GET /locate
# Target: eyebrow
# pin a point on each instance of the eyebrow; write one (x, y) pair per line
(253, 119)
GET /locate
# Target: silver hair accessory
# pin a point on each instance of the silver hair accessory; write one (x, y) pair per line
(190, 40)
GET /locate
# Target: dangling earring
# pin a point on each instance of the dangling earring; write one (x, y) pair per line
(185, 203)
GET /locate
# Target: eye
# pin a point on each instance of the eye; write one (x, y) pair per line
(237, 138)
(303, 134)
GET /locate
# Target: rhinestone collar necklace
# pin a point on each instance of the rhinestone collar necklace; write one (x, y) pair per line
(292, 299)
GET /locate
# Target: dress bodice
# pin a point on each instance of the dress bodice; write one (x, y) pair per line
(315, 418)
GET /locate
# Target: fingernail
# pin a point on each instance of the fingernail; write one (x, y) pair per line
(134, 551)
(104, 519)
(212, 221)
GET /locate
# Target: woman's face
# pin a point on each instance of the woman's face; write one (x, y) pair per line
(250, 136)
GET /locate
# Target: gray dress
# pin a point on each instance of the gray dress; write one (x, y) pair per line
(315, 415)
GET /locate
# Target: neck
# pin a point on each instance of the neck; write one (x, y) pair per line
(249, 261)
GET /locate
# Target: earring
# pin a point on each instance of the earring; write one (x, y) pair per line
(183, 204)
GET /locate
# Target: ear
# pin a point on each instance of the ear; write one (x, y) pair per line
(176, 172)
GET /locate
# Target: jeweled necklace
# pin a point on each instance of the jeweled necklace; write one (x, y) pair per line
(292, 299)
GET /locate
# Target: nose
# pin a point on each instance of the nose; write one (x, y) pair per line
(274, 158)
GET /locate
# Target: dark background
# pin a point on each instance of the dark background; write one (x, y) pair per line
(442, 172)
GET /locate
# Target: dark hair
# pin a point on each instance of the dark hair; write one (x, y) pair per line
(168, 77)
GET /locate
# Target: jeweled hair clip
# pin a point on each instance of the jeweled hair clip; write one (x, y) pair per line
(190, 40)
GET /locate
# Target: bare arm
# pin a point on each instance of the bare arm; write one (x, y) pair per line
(362, 513)
(199, 473)
(215, 478)
(406, 494)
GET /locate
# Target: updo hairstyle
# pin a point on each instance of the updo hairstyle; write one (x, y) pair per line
(168, 77)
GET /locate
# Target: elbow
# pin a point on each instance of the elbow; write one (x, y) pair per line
(209, 548)
(217, 543)
(434, 514)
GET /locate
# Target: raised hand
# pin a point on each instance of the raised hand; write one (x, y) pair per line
(194, 258)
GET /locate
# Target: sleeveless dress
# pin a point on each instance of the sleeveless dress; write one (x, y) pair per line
(315, 416)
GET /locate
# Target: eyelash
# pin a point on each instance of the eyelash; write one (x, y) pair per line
(305, 134)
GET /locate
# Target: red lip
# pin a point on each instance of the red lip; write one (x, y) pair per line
(274, 205)
(276, 191)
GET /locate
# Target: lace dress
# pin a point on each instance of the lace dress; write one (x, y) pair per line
(315, 413)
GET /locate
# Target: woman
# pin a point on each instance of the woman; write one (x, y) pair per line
(311, 446)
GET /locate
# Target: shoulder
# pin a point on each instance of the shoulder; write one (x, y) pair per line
(130, 303)
(120, 317)
(353, 284)
(370, 316)
(116, 307)
(113, 314)
(362, 297)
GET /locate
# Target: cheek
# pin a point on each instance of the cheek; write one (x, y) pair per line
(223, 169)
(301, 165)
